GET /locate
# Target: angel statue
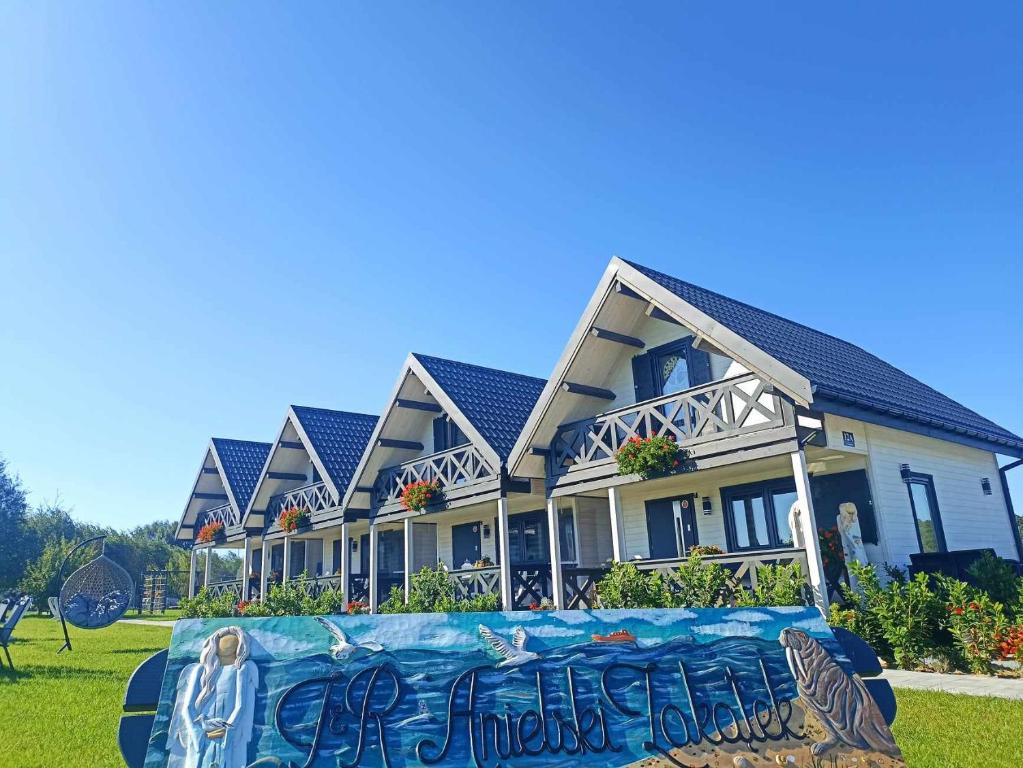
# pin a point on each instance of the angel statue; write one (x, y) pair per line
(212, 721)
(852, 538)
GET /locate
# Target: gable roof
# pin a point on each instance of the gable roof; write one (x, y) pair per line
(241, 462)
(336, 439)
(496, 402)
(837, 370)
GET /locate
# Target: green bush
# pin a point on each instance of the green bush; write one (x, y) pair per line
(206, 606)
(997, 579)
(901, 620)
(625, 586)
(432, 592)
(974, 621)
(776, 585)
(696, 584)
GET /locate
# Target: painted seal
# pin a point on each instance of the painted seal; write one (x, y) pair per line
(841, 703)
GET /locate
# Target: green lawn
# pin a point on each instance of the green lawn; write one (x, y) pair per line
(63, 710)
(169, 615)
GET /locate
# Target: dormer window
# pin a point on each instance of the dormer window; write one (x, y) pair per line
(446, 434)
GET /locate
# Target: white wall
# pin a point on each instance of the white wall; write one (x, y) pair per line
(969, 518)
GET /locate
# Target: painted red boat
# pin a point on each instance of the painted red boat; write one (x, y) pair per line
(618, 636)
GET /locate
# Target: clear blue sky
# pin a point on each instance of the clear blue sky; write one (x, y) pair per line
(210, 212)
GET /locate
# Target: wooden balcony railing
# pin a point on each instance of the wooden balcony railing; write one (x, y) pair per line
(313, 498)
(221, 588)
(454, 468)
(472, 582)
(224, 513)
(743, 565)
(580, 585)
(358, 588)
(728, 408)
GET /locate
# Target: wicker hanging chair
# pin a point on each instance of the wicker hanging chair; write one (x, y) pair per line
(97, 594)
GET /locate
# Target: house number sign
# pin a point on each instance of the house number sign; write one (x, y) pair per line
(712, 687)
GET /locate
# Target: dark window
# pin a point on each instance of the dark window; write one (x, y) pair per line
(527, 537)
(391, 551)
(336, 556)
(297, 564)
(757, 514)
(924, 503)
(446, 434)
(566, 535)
(669, 368)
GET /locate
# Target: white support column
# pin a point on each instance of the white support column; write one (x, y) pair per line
(287, 561)
(207, 568)
(191, 573)
(408, 558)
(246, 567)
(346, 563)
(328, 556)
(614, 502)
(809, 523)
(374, 577)
(264, 568)
(505, 555)
(554, 537)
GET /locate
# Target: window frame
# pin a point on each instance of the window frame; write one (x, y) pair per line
(683, 348)
(766, 490)
(927, 481)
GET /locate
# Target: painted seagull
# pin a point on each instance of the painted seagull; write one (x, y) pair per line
(513, 654)
(343, 648)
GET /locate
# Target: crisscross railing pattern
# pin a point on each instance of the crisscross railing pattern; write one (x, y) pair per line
(472, 582)
(712, 411)
(313, 498)
(455, 467)
(743, 565)
(225, 513)
(221, 588)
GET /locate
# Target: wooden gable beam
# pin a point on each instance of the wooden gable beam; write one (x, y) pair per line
(659, 314)
(418, 405)
(286, 476)
(623, 290)
(210, 471)
(534, 451)
(291, 444)
(210, 496)
(364, 489)
(408, 445)
(621, 338)
(585, 389)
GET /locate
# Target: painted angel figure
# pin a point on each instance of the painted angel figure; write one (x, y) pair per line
(852, 538)
(213, 713)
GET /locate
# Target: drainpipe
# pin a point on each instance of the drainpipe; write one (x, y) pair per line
(1008, 506)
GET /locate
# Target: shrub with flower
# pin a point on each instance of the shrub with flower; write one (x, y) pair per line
(832, 553)
(976, 622)
(209, 532)
(416, 496)
(649, 456)
(291, 520)
(544, 605)
(356, 607)
(704, 550)
(1010, 642)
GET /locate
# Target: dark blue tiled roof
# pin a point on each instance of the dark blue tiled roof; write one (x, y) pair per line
(242, 462)
(838, 371)
(496, 402)
(338, 438)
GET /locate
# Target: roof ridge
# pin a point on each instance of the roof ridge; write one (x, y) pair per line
(333, 410)
(237, 440)
(420, 356)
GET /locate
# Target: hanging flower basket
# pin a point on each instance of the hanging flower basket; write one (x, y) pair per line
(649, 456)
(290, 520)
(210, 532)
(416, 496)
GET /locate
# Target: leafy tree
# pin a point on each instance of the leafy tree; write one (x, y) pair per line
(14, 550)
(40, 579)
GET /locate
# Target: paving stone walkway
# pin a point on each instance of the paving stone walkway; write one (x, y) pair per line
(973, 685)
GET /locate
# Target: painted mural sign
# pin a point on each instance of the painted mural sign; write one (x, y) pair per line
(715, 687)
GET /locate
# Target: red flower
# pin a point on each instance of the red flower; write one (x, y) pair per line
(957, 611)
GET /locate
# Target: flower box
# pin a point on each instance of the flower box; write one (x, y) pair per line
(210, 532)
(649, 456)
(290, 520)
(416, 496)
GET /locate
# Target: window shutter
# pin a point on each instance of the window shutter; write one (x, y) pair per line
(440, 434)
(643, 378)
(699, 367)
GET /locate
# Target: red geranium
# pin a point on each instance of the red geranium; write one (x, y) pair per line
(291, 520)
(209, 532)
(416, 496)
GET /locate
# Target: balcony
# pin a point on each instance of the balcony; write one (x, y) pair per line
(313, 498)
(713, 423)
(225, 514)
(456, 469)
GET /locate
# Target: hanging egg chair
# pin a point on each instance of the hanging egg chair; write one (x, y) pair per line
(97, 594)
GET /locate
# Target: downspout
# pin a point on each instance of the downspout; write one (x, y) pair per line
(1008, 506)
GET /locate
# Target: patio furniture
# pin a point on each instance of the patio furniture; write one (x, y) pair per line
(5, 605)
(955, 563)
(8, 628)
(53, 603)
(94, 596)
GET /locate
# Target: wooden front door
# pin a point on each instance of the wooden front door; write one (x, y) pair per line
(466, 545)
